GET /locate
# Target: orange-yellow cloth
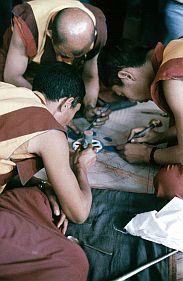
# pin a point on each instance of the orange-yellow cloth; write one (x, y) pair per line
(23, 116)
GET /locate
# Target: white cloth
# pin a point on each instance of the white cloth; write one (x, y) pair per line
(163, 227)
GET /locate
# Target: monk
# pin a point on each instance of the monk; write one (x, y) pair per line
(58, 30)
(33, 136)
(155, 75)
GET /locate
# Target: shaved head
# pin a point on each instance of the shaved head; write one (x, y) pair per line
(73, 30)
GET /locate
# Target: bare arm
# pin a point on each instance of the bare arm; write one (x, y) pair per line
(138, 153)
(174, 97)
(91, 80)
(74, 194)
(16, 62)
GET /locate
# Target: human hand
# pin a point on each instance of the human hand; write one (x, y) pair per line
(149, 136)
(62, 222)
(85, 158)
(73, 127)
(134, 153)
(59, 217)
(97, 115)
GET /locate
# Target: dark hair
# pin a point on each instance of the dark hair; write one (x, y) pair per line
(59, 80)
(112, 59)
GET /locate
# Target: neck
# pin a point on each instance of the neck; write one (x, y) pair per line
(51, 106)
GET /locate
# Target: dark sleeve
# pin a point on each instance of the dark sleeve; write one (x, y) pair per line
(101, 28)
(26, 24)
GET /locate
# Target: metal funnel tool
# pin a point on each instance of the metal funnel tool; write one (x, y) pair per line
(154, 123)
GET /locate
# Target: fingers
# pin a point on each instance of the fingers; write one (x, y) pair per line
(76, 154)
(120, 146)
(61, 220)
(91, 149)
(90, 114)
(131, 137)
(54, 205)
(138, 140)
(73, 127)
(100, 111)
(100, 121)
(63, 223)
(90, 154)
(94, 147)
(87, 157)
(98, 115)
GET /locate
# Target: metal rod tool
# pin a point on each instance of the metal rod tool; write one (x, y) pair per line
(137, 270)
(79, 242)
(152, 124)
(104, 109)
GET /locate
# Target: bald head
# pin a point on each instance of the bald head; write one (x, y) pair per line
(73, 30)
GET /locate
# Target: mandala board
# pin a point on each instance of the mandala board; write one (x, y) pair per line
(110, 170)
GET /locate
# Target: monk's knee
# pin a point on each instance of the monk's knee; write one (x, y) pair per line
(79, 265)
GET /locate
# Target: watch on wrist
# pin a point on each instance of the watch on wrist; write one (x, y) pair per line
(42, 184)
(151, 159)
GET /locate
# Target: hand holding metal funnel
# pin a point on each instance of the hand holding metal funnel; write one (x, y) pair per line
(152, 124)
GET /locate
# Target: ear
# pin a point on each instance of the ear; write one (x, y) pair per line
(123, 74)
(65, 105)
(49, 33)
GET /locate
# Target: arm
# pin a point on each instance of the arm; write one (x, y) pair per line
(58, 215)
(174, 98)
(138, 153)
(16, 62)
(91, 80)
(73, 193)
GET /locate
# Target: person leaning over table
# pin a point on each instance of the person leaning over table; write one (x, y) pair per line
(33, 136)
(156, 75)
(58, 30)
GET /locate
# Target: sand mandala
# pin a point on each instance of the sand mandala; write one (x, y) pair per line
(110, 170)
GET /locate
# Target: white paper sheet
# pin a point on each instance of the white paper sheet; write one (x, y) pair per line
(164, 227)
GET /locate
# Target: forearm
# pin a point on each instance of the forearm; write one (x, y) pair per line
(92, 91)
(77, 205)
(168, 136)
(82, 178)
(77, 210)
(169, 155)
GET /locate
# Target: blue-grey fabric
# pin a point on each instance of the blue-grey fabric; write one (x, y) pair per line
(113, 209)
